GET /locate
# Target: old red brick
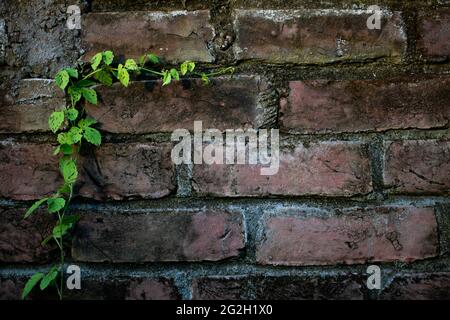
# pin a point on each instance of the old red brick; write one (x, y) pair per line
(122, 170)
(158, 236)
(417, 166)
(354, 235)
(28, 171)
(312, 36)
(324, 168)
(148, 107)
(176, 35)
(422, 286)
(114, 171)
(37, 99)
(347, 286)
(20, 239)
(434, 34)
(319, 106)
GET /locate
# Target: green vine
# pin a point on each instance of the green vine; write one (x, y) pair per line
(72, 125)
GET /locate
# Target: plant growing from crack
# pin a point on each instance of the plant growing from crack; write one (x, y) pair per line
(72, 126)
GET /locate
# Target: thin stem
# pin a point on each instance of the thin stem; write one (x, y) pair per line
(92, 73)
(152, 71)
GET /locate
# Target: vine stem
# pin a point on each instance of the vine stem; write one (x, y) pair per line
(152, 71)
(60, 244)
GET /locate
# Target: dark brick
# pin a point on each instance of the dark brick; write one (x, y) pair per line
(107, 287)
(20, 239)
(422, 286)
(434, 34)
(114, 171)
(348, 287)
(148, 107)
(123, 170)
(158, 236)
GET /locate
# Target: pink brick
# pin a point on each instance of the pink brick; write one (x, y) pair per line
(381, 234)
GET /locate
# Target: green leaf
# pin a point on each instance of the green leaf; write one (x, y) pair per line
(46, 240)
(167, 78)
(49, 277)
(84, 123)
(183, 68)
(55, 204)
(72, 114)
(74, 93)
(60, 230)
(174, 74)
(66, 149)
(123, 76)
(93, 136)
(64, 189)
(205, 79)
(86, 83)
(108, 57)
(153, 58)
(95, 61)
(90, 95)
(75, 135)
(55, 120)
(62, 79)
(34, 207)
(64, 138)
(191, 66)
(69, 170)
(70, 220)
(130, 64)
(31, 283)
(187, 66)
(104, 77)
(72, 72)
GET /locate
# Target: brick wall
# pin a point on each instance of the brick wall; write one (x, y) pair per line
(364, 162)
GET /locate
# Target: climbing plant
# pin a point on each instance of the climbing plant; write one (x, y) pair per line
(73, 126)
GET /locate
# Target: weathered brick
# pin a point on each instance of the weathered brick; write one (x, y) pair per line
(114, 171)
(37, 99)
(324, 168)
(422, 286)
(316, 36)
(350, 236)
(20, 239)
(121, 170)
(417, 166)
(434, 34)
(347, 286)
(175, 35)
(143, 106)
(11, 288)
(158, 236)
(318, 106)
(27, 171)
(107, 287)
